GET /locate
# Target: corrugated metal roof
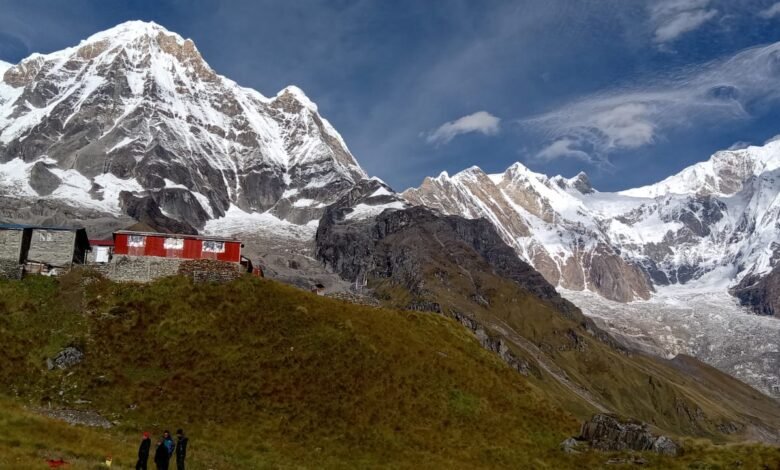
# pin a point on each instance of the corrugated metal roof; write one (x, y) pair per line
(4, 226)
(179, 235)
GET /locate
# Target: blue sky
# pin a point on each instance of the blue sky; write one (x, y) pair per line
(628, 91)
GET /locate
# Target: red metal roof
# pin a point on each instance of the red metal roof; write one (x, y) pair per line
(179, 235)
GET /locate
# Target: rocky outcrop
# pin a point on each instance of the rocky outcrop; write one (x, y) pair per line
(66, 358)
(350, 248)
(42, 180)
(760, 293)
(495, 344)
(398, 245)
(78, 417)
(146, 211)
(609, 433)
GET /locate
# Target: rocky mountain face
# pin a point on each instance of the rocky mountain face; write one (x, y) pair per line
(416, 258)
(714, 224)
(133, 122)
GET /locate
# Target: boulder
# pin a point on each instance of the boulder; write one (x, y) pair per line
(570, 446)
(610, 433)
(66, 358)
(42, 180)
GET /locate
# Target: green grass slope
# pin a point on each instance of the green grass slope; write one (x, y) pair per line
(681, 397)
(263, 375)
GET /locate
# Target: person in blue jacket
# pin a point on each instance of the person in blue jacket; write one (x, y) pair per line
(168, 442)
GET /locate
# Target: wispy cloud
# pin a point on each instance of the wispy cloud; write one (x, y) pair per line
(565, 147)
(739, 145)
(770, 12)
(673, 18)
(481, 121)
(631, 117)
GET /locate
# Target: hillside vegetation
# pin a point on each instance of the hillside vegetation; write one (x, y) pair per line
(418, 259)
(263, 375)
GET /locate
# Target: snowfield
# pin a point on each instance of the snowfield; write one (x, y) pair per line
(706, 324)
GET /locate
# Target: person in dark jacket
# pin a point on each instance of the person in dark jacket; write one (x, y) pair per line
(143, 452)
(161, 456)
(168, 441)
(181, 449)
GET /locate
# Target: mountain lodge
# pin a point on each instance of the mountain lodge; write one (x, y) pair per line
(40, 250)
(166, 245)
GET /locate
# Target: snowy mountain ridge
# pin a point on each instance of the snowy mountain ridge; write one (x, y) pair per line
(133, 119)
(715, 223)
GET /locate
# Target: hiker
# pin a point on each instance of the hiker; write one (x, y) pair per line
(168, 441)
(181, 449)
(161, 456)
(143, 452)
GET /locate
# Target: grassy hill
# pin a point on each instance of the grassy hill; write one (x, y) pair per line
(263, 375)
(448, 263)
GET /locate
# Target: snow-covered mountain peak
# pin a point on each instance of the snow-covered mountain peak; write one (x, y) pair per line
(443, 176)
(130, 31)
(139, 103)
(724, 174)
(518, 168)
(717, 218)
(580, 183)
(295, 93)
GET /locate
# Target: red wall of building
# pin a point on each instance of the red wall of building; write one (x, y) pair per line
(193, 249)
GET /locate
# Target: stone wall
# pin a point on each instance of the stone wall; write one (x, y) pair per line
(10, 269)
(206, 270)
(139, 268)
(53, 247)
(148, 268)
(11, 245)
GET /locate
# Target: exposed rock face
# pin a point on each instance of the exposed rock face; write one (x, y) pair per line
(518, 203)
(144, 210)
(43, 181)
(351, 249)
(396, 244)
(694, 226)
(605, 432)
(495, 344)
(761, 293)
(66, 358)
(137, 109)
(78, 417)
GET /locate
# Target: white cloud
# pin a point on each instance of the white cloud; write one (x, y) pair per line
(481, 121)
(626, 125)
(770, 12)
(562, 148)
(673, 18)
(627, 118)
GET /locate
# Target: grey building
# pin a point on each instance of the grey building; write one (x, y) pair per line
(40, 250)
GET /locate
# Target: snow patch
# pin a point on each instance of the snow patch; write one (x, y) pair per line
(236, 222)
(382, 192)
(364, 211)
